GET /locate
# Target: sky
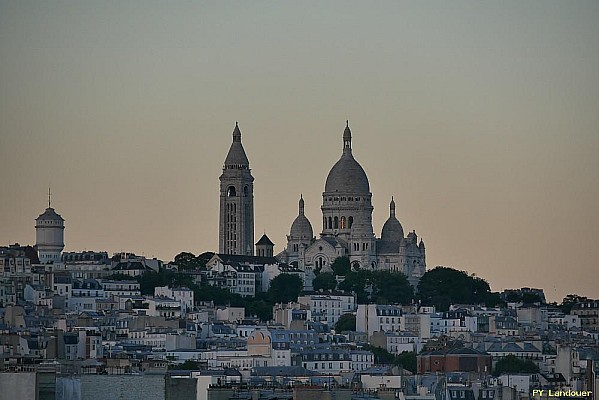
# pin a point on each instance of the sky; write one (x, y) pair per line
(480, 118)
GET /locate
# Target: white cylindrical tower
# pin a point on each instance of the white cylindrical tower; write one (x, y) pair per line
(49, 236)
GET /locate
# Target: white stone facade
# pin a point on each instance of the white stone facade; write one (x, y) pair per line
(347, 228)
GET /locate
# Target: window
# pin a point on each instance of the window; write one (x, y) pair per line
(343, 223)
(336, 223)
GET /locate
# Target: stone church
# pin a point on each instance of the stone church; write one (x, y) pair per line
(347, 227)
(346, 221)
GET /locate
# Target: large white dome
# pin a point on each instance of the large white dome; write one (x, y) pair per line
(347, 175)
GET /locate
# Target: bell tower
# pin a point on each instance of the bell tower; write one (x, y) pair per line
(236, 221)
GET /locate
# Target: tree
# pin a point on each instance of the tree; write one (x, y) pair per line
(407, 360)
(512, 365)
(391, 288)
(381, 356)
(346, 322)
(220, 296)
(341, 266)
(285, 288)
(569, 301)
(260, 308)
(324, 281)
(381, 287)
(187, 261)
(443, 286)
(357, 282)
(187, 365)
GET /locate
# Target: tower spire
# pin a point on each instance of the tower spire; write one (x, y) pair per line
(301, 205)
(49, 197)
(347, 137)
(236, 133)
(392, 208)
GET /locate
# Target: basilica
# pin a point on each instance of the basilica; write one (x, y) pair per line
(346, 221)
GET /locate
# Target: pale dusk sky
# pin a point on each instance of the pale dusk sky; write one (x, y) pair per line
(480, 118)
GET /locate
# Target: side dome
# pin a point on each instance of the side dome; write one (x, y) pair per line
(347, 175)
(392, 229)
(301, 226)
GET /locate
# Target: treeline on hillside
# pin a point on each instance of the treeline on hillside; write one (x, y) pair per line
(283, 289)
(438, 287)
(443, 286)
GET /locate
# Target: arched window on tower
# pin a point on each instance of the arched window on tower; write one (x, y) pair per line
(231, 191)
(350, 222)
(336, 223)
(343, 222)
(245, 191)
(330, 223)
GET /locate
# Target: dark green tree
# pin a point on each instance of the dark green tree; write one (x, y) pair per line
(443, 286)
(220, 296)
(341, 266)
(285, 288)
(511, 364)
(357, 282)
(185, 260)
(407, 360)
(187, 365)
(391, 288)
(346, 322)
(381, 356)
(381, 287)
(260, 308)
(530, 298)
(150, 280)
(324, 281)
(569, 301)
(203, 258)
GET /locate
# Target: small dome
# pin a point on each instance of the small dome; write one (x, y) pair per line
(49, 215)
(301, 226)
(347, 175)
(392, 230)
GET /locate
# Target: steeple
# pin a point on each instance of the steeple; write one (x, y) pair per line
(236, 158)
(301, 205)
(236, 133)
(392, 208)
(347, 138)
(49, 198)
